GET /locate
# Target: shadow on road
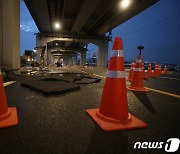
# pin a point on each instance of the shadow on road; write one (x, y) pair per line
(108, 142)
(145, 100)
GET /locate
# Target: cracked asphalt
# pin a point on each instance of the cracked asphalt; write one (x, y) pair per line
(59, 124)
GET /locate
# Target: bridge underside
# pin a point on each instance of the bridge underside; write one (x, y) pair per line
(80, 22)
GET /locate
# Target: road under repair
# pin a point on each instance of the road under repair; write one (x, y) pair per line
(59, 124)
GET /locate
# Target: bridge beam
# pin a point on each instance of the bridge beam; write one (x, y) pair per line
(83, 58)
(43, 39)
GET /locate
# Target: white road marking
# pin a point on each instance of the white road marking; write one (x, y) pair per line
(170, 78)
(8, 83)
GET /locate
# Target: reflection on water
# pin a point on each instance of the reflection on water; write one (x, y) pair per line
(48, 73)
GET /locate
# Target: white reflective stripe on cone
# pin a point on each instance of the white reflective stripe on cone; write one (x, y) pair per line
(138, 61)
(116, 74)
(117, 53)
(138, 69)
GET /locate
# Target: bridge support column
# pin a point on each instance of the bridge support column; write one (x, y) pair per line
(51, 59)
(83, 59)
(74, 60)
(38, 53)
(102, 54)
(10, 34)
(48, 57)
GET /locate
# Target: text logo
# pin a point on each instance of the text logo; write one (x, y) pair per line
(171, 145)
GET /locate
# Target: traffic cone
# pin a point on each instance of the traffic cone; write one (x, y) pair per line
(8, 116)
(156, 71)
(131, 71)
(160, 70)
(165, 70)
(113, 111)
(149, 71)
(143, 70)
(137, 81)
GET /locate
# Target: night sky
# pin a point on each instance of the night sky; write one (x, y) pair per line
(157, 29)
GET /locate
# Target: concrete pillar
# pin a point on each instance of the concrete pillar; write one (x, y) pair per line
(38, 53)
(1, 35)
(65, 60)
(52, 60)
(48, 57)
(41, 41)
(74, 59)
(83, 59)
(70, 60)
(102, 54)
(10, 34)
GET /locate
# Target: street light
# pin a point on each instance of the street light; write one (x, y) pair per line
(57, 25)
(140, 48)
(124, 4)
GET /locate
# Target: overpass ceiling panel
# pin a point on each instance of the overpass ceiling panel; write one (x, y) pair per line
(115, 18)
(87, 17)
(85, 12)
(70, 12)
(39, 13)
(72, 8)
(99, 13)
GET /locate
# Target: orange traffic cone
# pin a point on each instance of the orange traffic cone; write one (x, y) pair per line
(149, 71)
(143, 70)
(113, 112)
(160, 70)
(8, 116)
(165, 70)
(156, 71)
(137, 81)
(131, 71)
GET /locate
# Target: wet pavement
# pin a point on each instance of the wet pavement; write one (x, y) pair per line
(59, 124)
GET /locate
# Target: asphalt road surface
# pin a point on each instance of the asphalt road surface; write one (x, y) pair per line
(59, 124)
